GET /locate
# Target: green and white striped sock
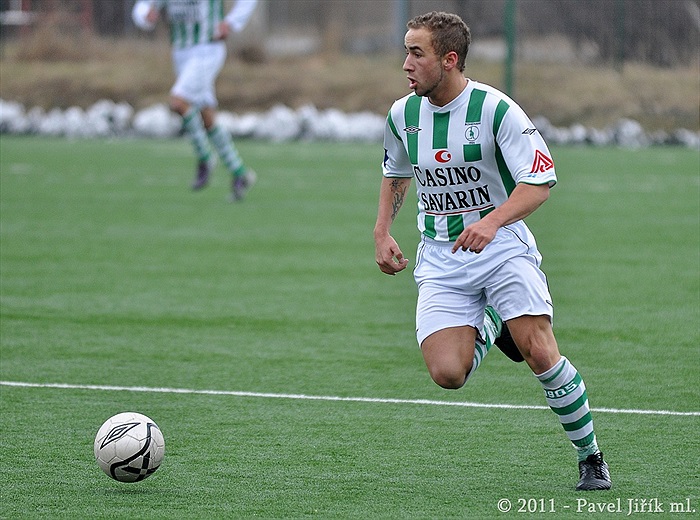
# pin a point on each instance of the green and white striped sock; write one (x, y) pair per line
(227, 150)
(492, 329)
(194, 126)
(566, 395)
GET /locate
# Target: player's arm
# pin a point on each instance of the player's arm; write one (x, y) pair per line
(523, 201)
(237, 18)
(528, 158)
(392, 195)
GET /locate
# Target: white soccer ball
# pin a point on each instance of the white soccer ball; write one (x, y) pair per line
(129, 447)
(139, 14)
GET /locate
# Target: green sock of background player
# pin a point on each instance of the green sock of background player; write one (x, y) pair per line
(194, 126)
(223, 144)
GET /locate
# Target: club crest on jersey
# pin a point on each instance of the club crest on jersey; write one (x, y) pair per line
(471, 134)
(443, 156)
(542, 163)
(411, 129)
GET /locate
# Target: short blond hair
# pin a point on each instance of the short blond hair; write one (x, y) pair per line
(448, 33)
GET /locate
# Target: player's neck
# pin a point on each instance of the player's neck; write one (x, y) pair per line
(453, 88)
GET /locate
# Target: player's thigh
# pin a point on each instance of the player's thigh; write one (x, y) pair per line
(450, 347)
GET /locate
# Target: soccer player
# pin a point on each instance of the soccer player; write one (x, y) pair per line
(198, 29)
(480, 168)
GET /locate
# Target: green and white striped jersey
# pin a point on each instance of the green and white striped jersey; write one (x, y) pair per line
(466, 156)
(194, 22)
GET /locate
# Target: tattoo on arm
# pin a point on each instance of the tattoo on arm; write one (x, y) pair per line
(399, 195)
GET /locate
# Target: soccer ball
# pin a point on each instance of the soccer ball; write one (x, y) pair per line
(129, 447)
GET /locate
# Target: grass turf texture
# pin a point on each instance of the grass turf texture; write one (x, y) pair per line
(113, 273)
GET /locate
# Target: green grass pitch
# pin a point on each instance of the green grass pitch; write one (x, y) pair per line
(113, 273)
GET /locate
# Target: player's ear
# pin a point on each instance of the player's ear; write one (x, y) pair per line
(449, 60)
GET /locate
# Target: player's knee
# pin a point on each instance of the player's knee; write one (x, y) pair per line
(536, 341)
(450, 378)
(542, 358)
(541, 355)
(178, 105)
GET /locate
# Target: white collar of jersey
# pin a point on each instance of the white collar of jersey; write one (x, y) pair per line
(463, 96)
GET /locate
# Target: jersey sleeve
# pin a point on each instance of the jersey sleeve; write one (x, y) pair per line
(524, 150)
(396, 162)
(239, 15)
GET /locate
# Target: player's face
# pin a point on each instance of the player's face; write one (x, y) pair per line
(424, 68)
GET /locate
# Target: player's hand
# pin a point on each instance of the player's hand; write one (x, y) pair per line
(389, 257)
(222, 31)
(153, 16)
(475, 237)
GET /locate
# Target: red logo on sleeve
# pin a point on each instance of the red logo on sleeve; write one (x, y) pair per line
(542, 163)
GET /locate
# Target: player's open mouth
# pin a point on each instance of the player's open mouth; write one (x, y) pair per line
(412, 83)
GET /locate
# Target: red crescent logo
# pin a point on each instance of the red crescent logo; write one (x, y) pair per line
(443, 156)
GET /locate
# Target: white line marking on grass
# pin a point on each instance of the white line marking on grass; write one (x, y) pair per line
(305, 397)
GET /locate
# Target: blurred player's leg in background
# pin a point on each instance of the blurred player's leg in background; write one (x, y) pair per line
(194, 127)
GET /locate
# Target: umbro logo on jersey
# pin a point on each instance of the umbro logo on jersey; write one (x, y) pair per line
(529, 131)
(542, 163)
(412, 129)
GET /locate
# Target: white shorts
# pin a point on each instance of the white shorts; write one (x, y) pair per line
(196, 69)
(454, 289)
